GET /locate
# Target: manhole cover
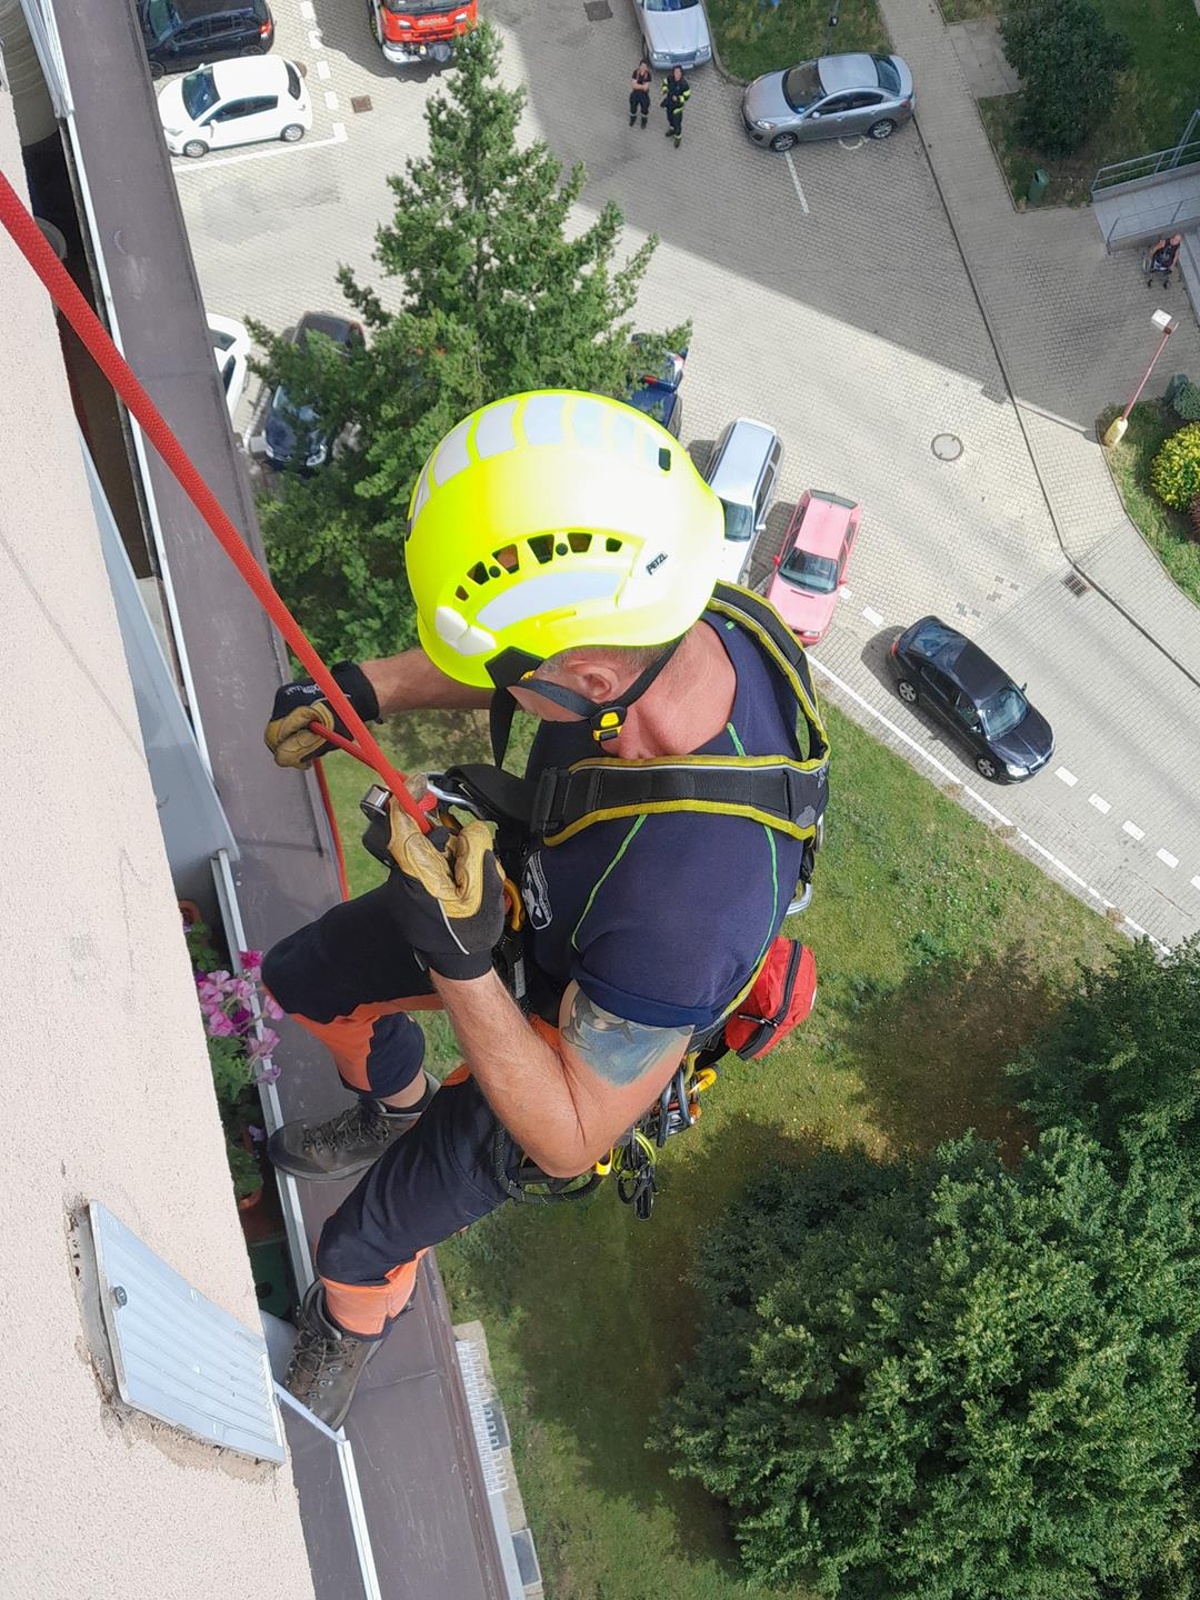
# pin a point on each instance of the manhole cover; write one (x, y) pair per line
(360, 102)
(597, 10)
(947, 446)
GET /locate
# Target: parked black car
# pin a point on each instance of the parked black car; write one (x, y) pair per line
(294, 435)
(940, 668)
(181, 34)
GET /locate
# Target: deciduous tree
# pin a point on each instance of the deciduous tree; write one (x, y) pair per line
(1068, 59)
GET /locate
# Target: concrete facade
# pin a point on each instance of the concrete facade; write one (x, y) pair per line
(105, 1091)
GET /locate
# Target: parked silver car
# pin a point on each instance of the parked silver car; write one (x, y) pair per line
(828, 99)
(675, 32)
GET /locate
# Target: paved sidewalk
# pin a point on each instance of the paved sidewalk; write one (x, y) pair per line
(1072, 329)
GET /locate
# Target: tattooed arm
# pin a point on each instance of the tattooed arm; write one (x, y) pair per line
(564, 1105)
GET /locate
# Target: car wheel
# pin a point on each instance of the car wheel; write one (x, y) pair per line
(907, 692)
(253, 50)
(291, 133)
(156, 69)
(195, 148)
(987, 767)
(783, 141)
(881, 130)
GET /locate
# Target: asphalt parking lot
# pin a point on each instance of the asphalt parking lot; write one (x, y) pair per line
(828, 298)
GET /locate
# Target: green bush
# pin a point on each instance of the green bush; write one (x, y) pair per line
(1175, 472)
(950, 1380)
(1185, 399)
(1068, 58)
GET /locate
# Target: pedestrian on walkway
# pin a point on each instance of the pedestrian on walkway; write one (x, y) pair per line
(639, 93)
(675, 92)
(1162, 259)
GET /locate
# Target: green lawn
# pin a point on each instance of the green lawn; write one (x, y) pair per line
(1154, 98)
(1167, 532)
(753, 37)
(940, 953)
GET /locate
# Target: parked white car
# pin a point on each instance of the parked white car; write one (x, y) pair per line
(675, 32)
(231, 351)
(234, 102)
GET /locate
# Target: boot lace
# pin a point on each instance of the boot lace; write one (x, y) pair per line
(346, 1129)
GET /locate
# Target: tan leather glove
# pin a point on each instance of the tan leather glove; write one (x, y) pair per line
(447, 894)
(297, 704)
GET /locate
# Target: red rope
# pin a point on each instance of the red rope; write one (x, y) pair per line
(62, 290)
(339, 853)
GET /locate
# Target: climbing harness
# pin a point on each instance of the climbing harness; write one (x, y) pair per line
(786, 794)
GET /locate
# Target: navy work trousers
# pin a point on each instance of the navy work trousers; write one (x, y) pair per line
(349, 978)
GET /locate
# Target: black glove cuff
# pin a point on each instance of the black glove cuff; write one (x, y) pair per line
(458, 966)
(358, 689)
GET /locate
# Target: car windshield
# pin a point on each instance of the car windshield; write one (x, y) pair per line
(199, 92)
(660, 409)
(817, 573)
(739, 522)
(670, 5)
(159, 17)
(802, 85)
(889, 78)
(283, 407)
(1002, 713)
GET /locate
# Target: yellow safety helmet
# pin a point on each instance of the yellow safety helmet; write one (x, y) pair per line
(556, 519)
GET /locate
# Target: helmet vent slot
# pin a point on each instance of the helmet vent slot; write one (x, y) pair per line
(541, 547)
(579, 542)
(478, 573)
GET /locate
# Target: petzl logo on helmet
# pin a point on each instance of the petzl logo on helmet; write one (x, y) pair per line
(657, 562)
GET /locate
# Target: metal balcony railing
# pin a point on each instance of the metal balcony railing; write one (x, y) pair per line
(1184, 154)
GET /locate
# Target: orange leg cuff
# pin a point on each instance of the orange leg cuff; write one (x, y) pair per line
(366, 1309)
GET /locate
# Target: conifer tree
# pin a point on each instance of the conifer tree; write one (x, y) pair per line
(494, 289)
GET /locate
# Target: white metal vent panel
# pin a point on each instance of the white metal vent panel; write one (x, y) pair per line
(176, 1355)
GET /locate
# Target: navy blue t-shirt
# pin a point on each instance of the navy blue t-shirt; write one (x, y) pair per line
(662, 919)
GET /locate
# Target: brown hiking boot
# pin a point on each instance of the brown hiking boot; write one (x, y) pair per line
(326, 1363)
(348, 1143)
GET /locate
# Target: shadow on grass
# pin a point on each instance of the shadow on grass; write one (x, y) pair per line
(598, 1312)
(930, 1053)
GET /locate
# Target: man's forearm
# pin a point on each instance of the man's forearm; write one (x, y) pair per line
(521, 1075)
(411, 682)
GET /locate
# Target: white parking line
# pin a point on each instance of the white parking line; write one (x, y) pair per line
(984, 805)
(323, 71)
(184, 165)
(308, 11)
(1102, 806)
(1132, 829)
(1167, 858)
(1066, 777)
(315, 41)
(872, 617)
(1196, 883)
(787, 156)
(331, 100)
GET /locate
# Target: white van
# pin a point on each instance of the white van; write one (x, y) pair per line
(744, 472)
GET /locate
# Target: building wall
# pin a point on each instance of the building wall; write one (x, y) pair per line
(105, 1091)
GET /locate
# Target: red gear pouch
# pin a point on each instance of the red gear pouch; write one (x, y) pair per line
(781, 997)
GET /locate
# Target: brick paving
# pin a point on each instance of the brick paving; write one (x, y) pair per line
(829, 296)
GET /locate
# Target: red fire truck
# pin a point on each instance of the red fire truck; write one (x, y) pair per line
(412, 31)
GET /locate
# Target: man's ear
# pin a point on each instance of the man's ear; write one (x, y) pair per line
(597, 680)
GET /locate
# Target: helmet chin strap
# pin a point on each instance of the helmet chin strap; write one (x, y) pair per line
(515, 669)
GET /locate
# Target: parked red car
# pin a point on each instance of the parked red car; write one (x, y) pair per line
(811, 566)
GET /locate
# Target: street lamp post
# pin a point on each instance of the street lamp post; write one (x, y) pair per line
(834, 8)
(1115, 431)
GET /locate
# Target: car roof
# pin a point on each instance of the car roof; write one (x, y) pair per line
(977, 673)
(327, 322)
(193, 10)
(823, 524)
(852, 70)
(249, 72)
(743, 447)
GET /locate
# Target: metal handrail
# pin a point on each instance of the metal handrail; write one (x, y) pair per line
(1191, 204)
(1185, 153)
